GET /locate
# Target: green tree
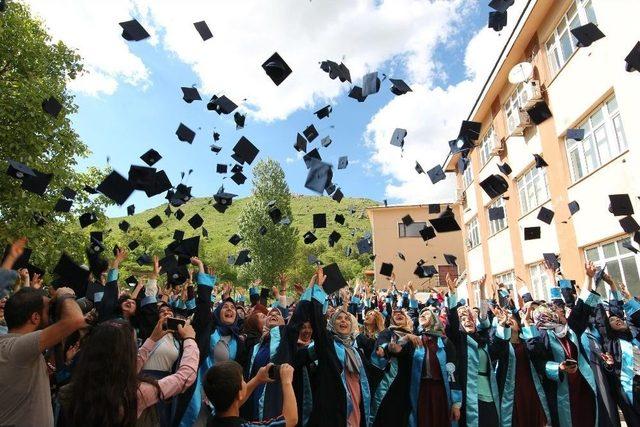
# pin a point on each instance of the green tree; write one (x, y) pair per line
(32, 69)
(272, 253)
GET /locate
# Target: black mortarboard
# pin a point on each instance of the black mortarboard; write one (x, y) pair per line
(462, 164)
(445, 224)
(331, 188)
(116, 187)
(275, 214)
(301, 143)
(343, 161)
(18, 170)
(236, 169)
(319, 220)
(22, 261)
(364, 246)
(235, 239)
(407, 220)
(348, 251)
(221, 168)
(215, 148)
(339, 219)
(131, 209)
(36, 184)
(68, 193)
(131, 281)
(160, 184)
(551, 260)
(540, 162)
(177, 274)
(52, 106)
(72, 273)
(370, 84)
(245, 151)
(501, 5)
(401, 256)
(629, 225)
(399, 87)
(243, 257)
(398, 136)
(386, 269)
(205, 233)
(185, 134)
(496, 213)
(239, 119)
(188, 248)
(310, 157)
(419, 168)
(319, 176)
(262, 230)
(178, 235)
(203, 29)
(539, 112)
(629, 246)
(190, 94)
(124, 226)
(545, 215)
(469, 130)
(276, 68)
(434, 208)
(133, 31)
(427, 233)
(133, 245)
(494, 185)
(324, 112)
(531, 233)
(620, 204)
(334, 280)
(505, 169)
(39, 219)
(167, 211)
(88, 218)
(63, 205)
(334, 237)
(338, 195)
(450, 259)
(497, 20)
(90, 190)
(155, 221)
(238, 178)
(151, 157)
(633, 59)
(309, 238)
(265, 293)
(326, 141)
(221, 105)
(574, 207)
(142, 177)
(356, 93)
(179, 214)
(310, 133)
(436, 174)
(341, 71)
(195, 221)
(575, 134)
(587, 34)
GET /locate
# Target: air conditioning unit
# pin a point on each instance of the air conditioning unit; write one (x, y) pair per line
(461, 196)
(531, 94)
(520, 122)
(496, 145)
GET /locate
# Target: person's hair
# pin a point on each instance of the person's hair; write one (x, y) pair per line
(105, 382)
(21, 306)
(222, 383)
(251, 325)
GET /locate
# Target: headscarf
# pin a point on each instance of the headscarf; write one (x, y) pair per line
(401, 329)
(259, 308)
(353, 362)
(378, 325)
(546, 318)
(435, 325)
(223, 329)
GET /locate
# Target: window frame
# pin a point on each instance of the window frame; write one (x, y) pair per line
(493, 224)
(472, 229)
(402, 229)
(467, 180)
(484, 150)
(539, 281)
(621, 254)
(529, 189)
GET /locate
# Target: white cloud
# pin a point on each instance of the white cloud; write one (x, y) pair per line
(289, 160)
(431, 116)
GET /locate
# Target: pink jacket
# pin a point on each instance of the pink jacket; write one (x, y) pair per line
(173, 384)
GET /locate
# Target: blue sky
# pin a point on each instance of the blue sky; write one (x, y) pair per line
(143, 113)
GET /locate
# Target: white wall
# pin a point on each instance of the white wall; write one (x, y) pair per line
(500, 252)
(476, 265)
(532, 250)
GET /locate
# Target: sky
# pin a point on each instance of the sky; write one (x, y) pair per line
(130, 99)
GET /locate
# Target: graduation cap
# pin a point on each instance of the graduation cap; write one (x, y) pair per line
(319, 176)
(370, 84)
(155, 221)
(221, 168)
(133, 31)
(629, 225)
(469, 130)
(573, 207)
(540, 162)
(462, 164)
(221, 105)
(531, 233)
(324, 112)
(551, 260)
(190, 94)
(310, 133)
(347, 251)
(262, 230)
(545, 215)
(399, 87)
(398, 136)
(195, 221)
(336, 70)
(124, 226)
(401, 256)
(539, 112)
(496, 213)
(419, 168)
(505, 169)
(205, 233)
(72, 273)
(88, 218)
(185, 134)
(131, 281)
(326, 141)
(427, 233)
(445, 224)
(239, 119)
(223, 199)
(133, 245)
(309, 238)
(338, 195)
(160, 184)
(90, 190)
(497, 20)
(334, 237)
(235, 239)
(629, 246)
(575, 134)
(18, 170)
(236, 169)
(141, 177)
(167, 211)
(386, 269)
(436, 174)
(131, 209)
(245, 151)
(620, 204)
(434, 208)
(343, 161)
(276, 68)
(451, 259)
(501, 5)
(311, 156)
(494, 185)
(633, 59)
(334, 278)
(63, 205)
(203, 29)
(364, 246)
(275, 214)
(243, 257)
(36, 184)
(22, 261)
(151, 157)
(587, 34)
(188, 248)
(319, 220)
(178, 235)
(339, 219)
(407, 220)
(177, 275)
(52, 106)
(301, 143)
(238, 178)
(356, 93)
(331, 188)
(179, 214)
(215, 148)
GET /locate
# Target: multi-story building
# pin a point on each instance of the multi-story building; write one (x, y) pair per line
(586, 88)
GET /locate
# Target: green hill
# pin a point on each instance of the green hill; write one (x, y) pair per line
(215, 249)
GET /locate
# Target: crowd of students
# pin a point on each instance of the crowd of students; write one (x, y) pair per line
(200, 353)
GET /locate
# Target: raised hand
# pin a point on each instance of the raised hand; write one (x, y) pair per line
(36, 283)
(321, 276)
(121, 255)
(590, 269)
(451, 284)
(186, 331)
(15, 251)
(197, 262)
(156, 267)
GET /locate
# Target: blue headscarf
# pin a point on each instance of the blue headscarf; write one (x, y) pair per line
(222, 328)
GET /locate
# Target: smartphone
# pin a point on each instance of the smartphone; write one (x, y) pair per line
(274, 372)
(570, 362)
(172, 323)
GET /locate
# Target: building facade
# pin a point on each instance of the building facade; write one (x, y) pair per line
(391, 237)
(585, 88)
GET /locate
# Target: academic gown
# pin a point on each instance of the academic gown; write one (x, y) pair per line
(365, 346)
(304, 381)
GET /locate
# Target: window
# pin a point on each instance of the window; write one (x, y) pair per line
(509, 280)
(412, 230)
(473, 234)
(497, 224)
(539, 282)
(532, 188)
(477, 293)
(485, 147)
(561, 43)
(603, 140)
(512, 106)
(467, 176)
(621, 264)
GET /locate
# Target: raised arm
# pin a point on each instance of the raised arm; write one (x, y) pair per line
(71, 319)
